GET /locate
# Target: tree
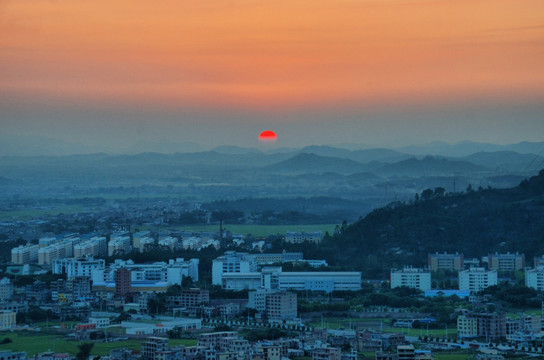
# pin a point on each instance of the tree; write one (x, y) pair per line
(439, 191)
(84, 351)
(427, 194)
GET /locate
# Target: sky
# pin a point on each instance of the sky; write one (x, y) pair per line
(374, 72)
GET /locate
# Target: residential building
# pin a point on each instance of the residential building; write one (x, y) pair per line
(216, 339)
(6, 289)
(489, 325)
(7, 319)
(144, 243)
(477, 279)
(281, 305)
(270, 351)
(119, 244)
(188, 298)
(327, 353)
(170, 242)
(27, 254)
(531, 323)
(445, 261)
(63, 248)
(257, 299)
(467, 326)
(506, 262)
(411, 277)
(78, 266)
(295, 237)
(152, 346)
(12, 355)
(136, 238)
(232, 262)
(100, 322)
(43, 242)
(534, 278)
(122, 282)
(538, 261)
(405, 352)
(16, 307)
(158, 273)
(95, 246)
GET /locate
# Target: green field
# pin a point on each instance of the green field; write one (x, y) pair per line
(34, 213)
(423, 332)
(383, 324)
(260, 230)
(452, 356)
(366, 355)
(37, 343)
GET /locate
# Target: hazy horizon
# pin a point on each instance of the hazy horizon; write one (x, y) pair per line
(382, 74)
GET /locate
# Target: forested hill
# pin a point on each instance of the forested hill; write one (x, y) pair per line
(475, 223)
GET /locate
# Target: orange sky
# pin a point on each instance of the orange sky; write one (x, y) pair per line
(258, 53)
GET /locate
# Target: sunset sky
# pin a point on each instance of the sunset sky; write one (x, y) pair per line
(375, 72)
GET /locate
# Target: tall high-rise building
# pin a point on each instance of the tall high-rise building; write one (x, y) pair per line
(122, 282)
(446, 261)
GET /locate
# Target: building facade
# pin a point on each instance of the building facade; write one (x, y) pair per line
(445, 261)
(506, 262)
(415, 278)
(477, 279)
(534, 278)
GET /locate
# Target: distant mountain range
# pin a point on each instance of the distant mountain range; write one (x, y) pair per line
(431, 166)
(465, 148)
(311, 163)
(44, 146)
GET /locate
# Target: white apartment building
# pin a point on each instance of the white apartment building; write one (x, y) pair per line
(534, 278)
(169, 242)
(477, 279)
(43, 242)
(78, 267)
(95, 246)
(411, 277)
(171, 272)
(296, 237)
(6, 289)
(143, 243)
(273, 278)
(27, 254)
(136, 238)
(119, 244)
(7, 319)
(59, 250)
(467, 326)
(232, 262)
(506, 262)
(192, 243)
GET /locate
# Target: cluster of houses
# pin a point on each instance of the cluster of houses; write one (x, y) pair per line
(472, 276)
(228, 345)
(90, 283)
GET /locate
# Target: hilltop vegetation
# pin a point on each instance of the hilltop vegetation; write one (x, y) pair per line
(476, 222)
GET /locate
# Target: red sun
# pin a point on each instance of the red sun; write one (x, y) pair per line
(268, 136)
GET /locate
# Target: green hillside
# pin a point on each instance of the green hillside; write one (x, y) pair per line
(475, 222)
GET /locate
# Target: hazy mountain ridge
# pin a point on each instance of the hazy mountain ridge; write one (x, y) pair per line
(465, 148)
(45, 146)
(236, 173)
(430, 165)
(506, 160)
(311, 163)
